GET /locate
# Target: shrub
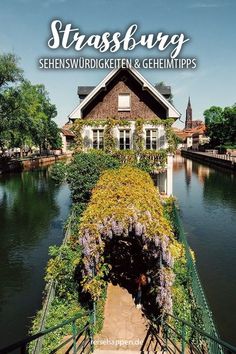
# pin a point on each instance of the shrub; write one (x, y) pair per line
(58, 172)
(84, 172)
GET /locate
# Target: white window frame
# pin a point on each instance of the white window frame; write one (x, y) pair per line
(151, 138)
(127, 133)
(98, 138)
(124, 108)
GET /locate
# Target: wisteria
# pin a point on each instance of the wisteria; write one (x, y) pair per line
(131, 219)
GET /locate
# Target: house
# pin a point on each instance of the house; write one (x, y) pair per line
(67, 137)
(126, 112)
(198, 137)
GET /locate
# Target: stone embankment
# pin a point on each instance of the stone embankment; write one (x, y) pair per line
(224, 161)
(28, 164)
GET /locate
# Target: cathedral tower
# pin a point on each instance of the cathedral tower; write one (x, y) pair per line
(189, 116)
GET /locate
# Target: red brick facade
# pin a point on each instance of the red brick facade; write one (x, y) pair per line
(143, 105)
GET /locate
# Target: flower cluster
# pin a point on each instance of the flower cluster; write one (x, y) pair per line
(125, 204)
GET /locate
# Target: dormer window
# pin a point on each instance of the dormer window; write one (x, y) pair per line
(124, 102)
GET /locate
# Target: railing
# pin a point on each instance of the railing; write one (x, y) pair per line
(50, 294)
(226, 157)
(172, 341)
(79, 341)
(198, 293)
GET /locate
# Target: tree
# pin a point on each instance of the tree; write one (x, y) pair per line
(26, 112)
(44, 132)
(10, 72)
(221, 125)
(10, 75)
(32, 122)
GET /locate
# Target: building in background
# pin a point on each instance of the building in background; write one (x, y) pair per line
(126, 96)
(193, 134)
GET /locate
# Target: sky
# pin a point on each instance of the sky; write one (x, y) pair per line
(210, 25)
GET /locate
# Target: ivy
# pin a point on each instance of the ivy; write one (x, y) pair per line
(138, 136)
(108, 125)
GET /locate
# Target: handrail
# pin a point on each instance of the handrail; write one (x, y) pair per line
(29, 339)
(204, 334)
(50, 292)
(196, 283)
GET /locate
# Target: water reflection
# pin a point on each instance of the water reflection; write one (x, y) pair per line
(32, 212)
(207, 199)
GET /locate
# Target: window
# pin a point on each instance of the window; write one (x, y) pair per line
(151, 139)
(162, 139)
(124, 139)
(98, 139)
(124, 102)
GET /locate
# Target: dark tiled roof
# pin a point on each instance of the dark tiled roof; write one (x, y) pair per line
(84, 90)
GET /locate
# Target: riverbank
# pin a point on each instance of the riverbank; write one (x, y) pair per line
(217, 160)
(208, 210)
(28, 164)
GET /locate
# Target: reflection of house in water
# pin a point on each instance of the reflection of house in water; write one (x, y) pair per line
(178, 162)
(191, 167)
(203, 172)
(188, 171)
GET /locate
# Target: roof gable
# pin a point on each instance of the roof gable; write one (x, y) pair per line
(171, 110)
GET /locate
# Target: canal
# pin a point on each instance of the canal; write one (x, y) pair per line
(207, 198)
(33, 210)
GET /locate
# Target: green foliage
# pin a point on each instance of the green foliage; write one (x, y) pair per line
(109, 140)
(58, 172)
(138, 136)
(36, 106)
(10, 72)
(61, 268)
(60, 310)
(184, 302)
(84, 172)
(221, 125)
(26, 112)
(110, 143)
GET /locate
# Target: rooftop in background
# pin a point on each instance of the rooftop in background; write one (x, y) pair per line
(83, 91)
(66, 130)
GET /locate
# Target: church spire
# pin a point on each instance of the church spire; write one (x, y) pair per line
(189, 103)
(189, 116)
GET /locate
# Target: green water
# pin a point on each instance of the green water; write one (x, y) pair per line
(32, 213)
(207, 198)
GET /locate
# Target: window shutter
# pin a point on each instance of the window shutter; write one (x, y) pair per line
(124, 101)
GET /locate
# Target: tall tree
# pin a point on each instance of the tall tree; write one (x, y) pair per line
(26, 112)
(34, 118)
(10, 75)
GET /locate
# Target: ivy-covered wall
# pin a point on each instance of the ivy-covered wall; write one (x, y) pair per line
(83, 139)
